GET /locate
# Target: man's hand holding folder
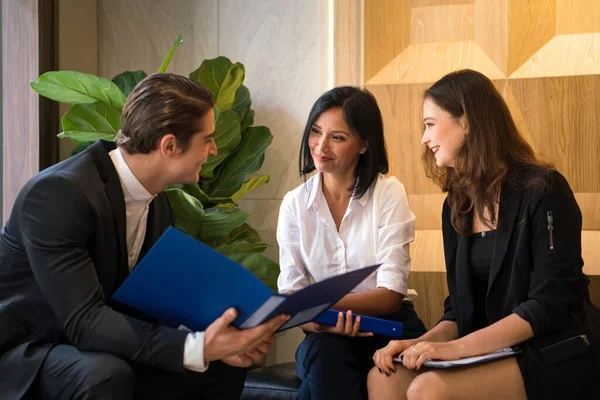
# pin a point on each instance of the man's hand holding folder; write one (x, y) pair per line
(239, 348)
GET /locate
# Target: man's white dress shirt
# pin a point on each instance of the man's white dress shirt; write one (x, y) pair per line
(137, 203)
(377, 228)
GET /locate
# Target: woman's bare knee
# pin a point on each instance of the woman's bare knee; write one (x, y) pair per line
(381, 386)
(427, 386)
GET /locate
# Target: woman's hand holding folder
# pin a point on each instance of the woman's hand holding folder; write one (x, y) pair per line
(239, 348)
(344, 326)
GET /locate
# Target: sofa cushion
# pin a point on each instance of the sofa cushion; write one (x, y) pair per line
(273, 382)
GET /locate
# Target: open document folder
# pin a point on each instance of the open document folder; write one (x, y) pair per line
(495, 355)
(181, 281)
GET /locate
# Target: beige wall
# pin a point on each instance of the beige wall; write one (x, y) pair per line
(20, 104)
(77, 46)
(282, 43)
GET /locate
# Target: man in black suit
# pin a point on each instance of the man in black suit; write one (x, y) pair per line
(76, 231)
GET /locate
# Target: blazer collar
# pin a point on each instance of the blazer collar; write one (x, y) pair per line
(114, 192)
(510, 200)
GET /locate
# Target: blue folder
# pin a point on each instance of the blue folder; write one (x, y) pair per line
(367, 324)
(182, 281)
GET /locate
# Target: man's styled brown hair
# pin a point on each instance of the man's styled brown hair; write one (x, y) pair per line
(492, 147)
(162, 104)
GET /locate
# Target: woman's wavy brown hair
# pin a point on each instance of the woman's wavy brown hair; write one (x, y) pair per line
(492, 147)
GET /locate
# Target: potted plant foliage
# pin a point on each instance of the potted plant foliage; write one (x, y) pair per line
(208, 210)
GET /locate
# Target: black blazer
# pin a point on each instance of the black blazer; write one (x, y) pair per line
(63, 253)
(536, 273)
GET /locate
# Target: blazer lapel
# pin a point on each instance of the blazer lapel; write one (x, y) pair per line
(464, 293)
(114, 192)
(510, 201)
(153, 229)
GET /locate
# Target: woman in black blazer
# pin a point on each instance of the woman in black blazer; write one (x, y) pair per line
(512, 245)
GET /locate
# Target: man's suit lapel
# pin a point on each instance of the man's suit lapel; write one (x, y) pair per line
(114, 192)
(155, 226)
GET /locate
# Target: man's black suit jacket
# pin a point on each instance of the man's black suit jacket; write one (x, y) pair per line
(536, 276)
(63, 253)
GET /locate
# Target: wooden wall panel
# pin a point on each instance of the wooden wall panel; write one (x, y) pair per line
(415, 65)
(432, 290)
(20, 104)
(427, 251)
(590, 252)
(577, 16)
(347, 34)
(504, 88)
(531, 24)
(427, 209)
(564, 55)
(563, 116)
(442, 23)
(428, 275)
(388, 37)
(491, 27)
(589, 203)
(433, 3)
(401, 107)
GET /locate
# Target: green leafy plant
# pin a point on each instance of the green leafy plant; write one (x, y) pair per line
(208, 210)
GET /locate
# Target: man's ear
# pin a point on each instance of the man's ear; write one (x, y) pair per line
(167, 145)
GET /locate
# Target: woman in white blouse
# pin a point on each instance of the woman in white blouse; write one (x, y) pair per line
(345, 217)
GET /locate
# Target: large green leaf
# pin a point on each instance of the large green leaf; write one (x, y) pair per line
(205, 199)
(243, 232)
(82, 138)
(78, 88)
(222, 78)
(97, 117)
(188, 213)
(250, 185)
(241, 246)
(219, 222)
(260, 265)
(227, 137)
(167, 60)
(127, 80)
(246, 160)
(247, 121)
(242, 103)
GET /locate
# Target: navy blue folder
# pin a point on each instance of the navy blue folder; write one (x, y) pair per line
(182, 281)
(367, 324)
